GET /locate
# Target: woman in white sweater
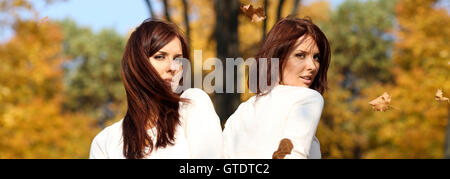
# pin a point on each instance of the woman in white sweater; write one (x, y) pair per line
(281, 122)
(158, 122)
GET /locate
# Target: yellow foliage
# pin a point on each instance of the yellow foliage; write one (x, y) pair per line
(416, 126)
(318, 11)
(32, 124)
(40, 130)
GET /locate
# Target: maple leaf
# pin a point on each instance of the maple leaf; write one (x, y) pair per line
(256, 15)
(440, 96)
(284, 149)
(381, 103)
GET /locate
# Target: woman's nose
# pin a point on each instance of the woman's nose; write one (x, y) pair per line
(174, 66)
(311, 64)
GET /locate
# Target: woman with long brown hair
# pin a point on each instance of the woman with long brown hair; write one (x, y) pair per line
(281, 122)
(159, 123)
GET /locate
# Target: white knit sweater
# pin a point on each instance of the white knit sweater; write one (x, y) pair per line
(198, 136)
(258, 125)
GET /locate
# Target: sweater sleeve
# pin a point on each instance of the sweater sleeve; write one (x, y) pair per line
(303, 119)
(97, 148)
(202, 126)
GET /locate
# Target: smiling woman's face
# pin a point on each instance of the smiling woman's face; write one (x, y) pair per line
(163, 59)
(302, 63)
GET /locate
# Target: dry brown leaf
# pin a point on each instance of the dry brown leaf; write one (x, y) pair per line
(381, 103)
(256, 15)
(440, 96)
(284, 149)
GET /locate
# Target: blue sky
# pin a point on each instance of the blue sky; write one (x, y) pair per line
(121, 15)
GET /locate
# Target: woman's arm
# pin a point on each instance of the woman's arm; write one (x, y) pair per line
(202, 125)
(97, 151)
(301, 125)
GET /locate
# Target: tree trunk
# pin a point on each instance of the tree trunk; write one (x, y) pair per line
(295, 8)
(150, 8)
(265, 21)
(280, 9)
(226, 33)
(166, 11)
(186, 21)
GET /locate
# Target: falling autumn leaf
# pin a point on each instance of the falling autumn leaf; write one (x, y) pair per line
(440, 96)
(256, 15)
(381, 103)
(284, 149)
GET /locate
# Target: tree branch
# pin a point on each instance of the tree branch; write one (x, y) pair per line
(297, 4)
(186, 20)
(150, 8)
(265, 21)
(166, 10)
(280, 9)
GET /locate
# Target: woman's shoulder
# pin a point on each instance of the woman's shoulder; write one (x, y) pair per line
(196, 97)
(295, 90)
(109, 132)
(295, 94)
(107, 143)
(201, 124)
(198, 106)
(194, 93)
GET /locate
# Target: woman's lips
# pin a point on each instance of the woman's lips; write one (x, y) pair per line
(306, 80)
(169, 80)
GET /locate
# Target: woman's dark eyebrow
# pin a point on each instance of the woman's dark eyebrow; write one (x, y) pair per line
(165, 53)
(302, 51)
(307, 52)
(162, 52)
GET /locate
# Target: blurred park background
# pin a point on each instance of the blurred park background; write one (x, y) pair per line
(60, 80)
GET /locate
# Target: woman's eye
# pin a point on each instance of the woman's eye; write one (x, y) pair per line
(316, 57)
(159, 57)
(300, 55)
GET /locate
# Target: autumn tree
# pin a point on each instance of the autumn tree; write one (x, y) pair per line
(414, 125)
(361, 38)
(92, 78)
(32, 124)
(417, 127)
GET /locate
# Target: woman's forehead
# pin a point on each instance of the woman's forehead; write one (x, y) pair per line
(306, 43)
(174, 46)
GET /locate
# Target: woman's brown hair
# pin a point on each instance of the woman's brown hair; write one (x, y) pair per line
(281, 41)
(151, 103)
